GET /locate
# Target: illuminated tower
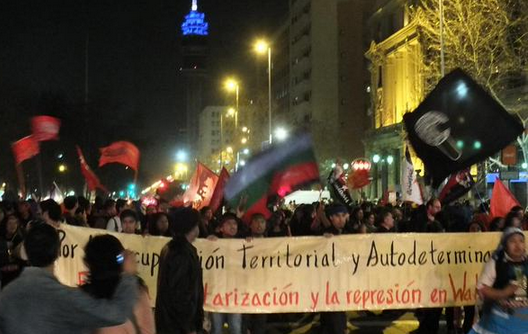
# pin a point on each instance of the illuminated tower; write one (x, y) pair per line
(194, 70)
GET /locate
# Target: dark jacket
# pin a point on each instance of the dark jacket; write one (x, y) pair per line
(420, 222)
(179, 303)
(383, 229)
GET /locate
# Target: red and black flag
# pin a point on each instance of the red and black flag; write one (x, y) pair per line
(457, 125)
(457, 186)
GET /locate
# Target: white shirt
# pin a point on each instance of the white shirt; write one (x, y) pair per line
(113, 223)
(489, 275)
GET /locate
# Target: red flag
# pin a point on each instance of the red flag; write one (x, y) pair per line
(218, 194)
(502, 200)
(25, 148)
(45, 128)
(201, 187)
(92, 181)
(121, 152)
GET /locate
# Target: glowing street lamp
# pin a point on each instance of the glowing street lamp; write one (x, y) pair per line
(232, 85)
(182, 156)
(281, 134)
(62, 168)
(180, 170)
(261, 47)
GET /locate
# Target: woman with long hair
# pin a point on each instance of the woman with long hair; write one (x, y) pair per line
(160, 225)
(106, 260)
(503, 286)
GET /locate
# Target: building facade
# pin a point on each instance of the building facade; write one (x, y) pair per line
(220, 143)
(399, 80)
(319, 74)
(396, 87)
(194, 71)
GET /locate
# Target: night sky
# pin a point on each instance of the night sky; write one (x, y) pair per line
(135, 91)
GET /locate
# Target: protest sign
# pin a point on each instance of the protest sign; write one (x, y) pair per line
(312, 274)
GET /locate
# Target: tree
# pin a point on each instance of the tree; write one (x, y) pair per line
(486, 38)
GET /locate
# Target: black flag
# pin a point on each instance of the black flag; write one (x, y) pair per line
(457, 125)
(338, 187)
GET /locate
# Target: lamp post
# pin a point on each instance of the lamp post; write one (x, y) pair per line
(261, 47)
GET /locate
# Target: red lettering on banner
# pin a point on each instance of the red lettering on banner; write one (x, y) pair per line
(82, 277)
(396, 295)
(462, 294)
(331, 298)
(438, 296)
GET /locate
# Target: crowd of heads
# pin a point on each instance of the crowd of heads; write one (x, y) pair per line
(131, 217)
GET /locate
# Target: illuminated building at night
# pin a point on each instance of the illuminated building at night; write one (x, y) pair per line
(194, 71)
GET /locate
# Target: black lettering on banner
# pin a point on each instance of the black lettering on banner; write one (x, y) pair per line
(212, 261)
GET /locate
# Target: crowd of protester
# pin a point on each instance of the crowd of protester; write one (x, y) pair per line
(180, 291)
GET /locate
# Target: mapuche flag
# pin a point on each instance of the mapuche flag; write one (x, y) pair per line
(25, 149)
(201, 187)
(338, 186)
(45, 128)
(457, 125)
(92, 181)
(273, 173)
(457, 186)
(121, 152)
(411, 191)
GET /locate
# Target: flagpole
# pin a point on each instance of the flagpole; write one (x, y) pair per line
(135, 177)
(39, 173)
(442, 60)
(21, 180)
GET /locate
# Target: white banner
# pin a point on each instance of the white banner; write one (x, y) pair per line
(310, 274)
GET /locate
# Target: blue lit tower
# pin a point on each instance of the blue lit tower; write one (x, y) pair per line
(194, 70)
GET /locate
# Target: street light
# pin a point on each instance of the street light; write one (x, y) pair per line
(182, 156)
(281, 134)
(261, 47)
(232, 85)
(62, 168)
(180, 170)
